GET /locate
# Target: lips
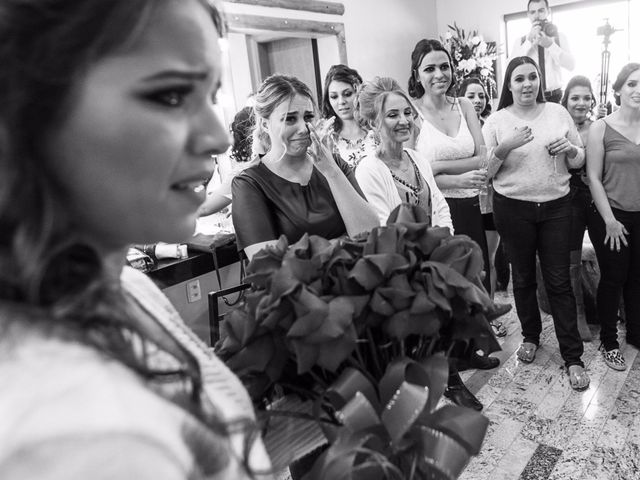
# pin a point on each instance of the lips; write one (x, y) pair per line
(193, 183)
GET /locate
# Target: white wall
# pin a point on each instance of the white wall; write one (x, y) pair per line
(380, 35)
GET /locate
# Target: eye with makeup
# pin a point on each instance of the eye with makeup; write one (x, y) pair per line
(172, 97)
(293, 118)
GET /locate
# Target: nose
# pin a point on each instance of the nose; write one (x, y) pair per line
(302, 126)
(209, 137)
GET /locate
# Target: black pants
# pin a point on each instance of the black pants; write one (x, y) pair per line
(527, 228)
(580, 207)
(619, 273)
(467, 220)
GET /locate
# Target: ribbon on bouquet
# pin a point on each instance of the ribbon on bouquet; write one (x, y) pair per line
(394, 428)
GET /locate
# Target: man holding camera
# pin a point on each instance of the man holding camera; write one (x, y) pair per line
(548, 47)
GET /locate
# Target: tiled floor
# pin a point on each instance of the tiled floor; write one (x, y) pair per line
(541, 429)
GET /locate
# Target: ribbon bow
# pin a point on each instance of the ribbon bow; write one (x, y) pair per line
(393, 429)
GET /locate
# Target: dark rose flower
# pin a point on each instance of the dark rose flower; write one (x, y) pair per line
(460, 253)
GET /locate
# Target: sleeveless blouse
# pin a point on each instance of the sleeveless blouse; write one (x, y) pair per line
(621, 170)
(436, 145)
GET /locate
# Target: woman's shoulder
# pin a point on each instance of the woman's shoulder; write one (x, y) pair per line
(555, 109)
(57, 388)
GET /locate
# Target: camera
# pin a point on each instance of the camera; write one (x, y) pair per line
(549, 29)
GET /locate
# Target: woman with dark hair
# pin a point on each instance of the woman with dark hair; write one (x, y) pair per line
(613, 150)
(474, 90)
(298, 186)
(349, 137)
(580, 102)
(238, 158)
(536, 143)
(100, 377)
(451, 139)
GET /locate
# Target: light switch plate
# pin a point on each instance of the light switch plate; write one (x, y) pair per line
(193, 291)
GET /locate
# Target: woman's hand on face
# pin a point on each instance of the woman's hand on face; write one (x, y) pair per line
(616, 235)
(520, 136)
(473, 179)
(320, 152)
(324, 128)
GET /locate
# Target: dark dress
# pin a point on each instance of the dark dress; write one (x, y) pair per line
(266, 206)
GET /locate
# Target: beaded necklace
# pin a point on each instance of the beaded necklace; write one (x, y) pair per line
(416, 190)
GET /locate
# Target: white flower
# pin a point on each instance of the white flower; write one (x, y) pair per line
(485, 62)
(472, 64)
(448, 36)
(476, 40)
(484, 72)
(467, 65)
(482, 48)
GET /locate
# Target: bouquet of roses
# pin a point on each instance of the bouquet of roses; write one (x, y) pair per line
(361, 327)
(472, 56)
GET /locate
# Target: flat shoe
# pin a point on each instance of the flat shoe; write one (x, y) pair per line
(481, 362)
(578, 378)
(527, 352)
(461, 396)
(499, 330)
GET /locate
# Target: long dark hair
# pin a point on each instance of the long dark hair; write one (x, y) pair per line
(422, 48)
(506, 97)
(462, 91)
(46, 270)
(338, 73)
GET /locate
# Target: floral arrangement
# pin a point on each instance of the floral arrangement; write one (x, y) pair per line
(472, 56)
(361, 328)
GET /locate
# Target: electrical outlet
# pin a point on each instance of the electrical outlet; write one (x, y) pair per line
(193, 291)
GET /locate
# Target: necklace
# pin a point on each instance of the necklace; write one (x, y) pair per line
(415, 190)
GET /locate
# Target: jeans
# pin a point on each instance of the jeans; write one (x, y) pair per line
(619, 273)
(580, 206)
(527, 228)
(467, 220)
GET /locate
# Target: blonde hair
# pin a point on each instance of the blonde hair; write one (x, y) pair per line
(372, 95)
(275, 90)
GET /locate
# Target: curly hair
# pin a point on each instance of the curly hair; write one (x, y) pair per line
(241, 129)
(338, 73)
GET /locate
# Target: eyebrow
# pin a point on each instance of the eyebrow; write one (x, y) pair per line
(198, 75)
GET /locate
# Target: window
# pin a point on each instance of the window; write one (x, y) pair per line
(579, 21)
